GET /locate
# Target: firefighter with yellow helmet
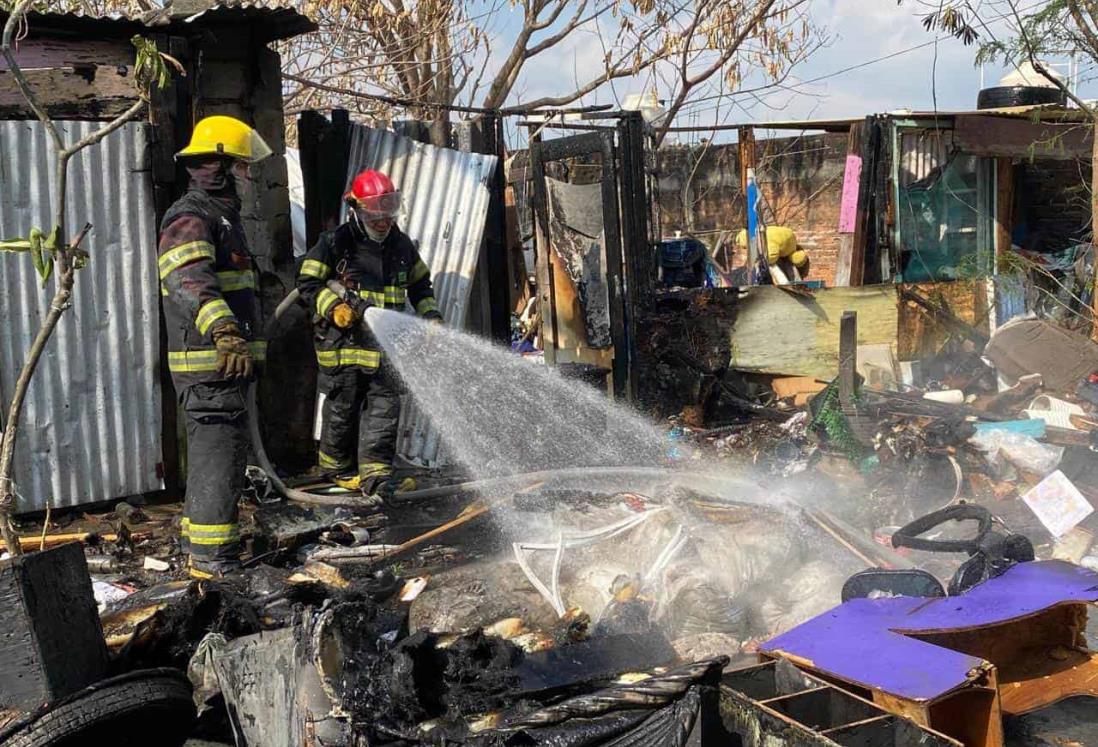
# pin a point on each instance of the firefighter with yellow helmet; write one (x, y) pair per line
(781, 247)
(208, 283)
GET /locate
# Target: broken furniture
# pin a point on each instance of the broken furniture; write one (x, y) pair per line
(776, 703)
(957, 664)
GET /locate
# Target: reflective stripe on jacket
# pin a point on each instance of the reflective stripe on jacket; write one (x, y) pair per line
(388, 275)
(207, 279)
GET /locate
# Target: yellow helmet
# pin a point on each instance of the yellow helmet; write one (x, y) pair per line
(226, 136)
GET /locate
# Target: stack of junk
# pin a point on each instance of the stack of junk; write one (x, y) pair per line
(838, 564)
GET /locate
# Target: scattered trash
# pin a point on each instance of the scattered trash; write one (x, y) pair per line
(412, 589)
(1004, 449)
(1058, 504)
(107, 594)
(156, 564)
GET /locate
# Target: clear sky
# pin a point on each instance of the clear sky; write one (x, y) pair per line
(859, 31)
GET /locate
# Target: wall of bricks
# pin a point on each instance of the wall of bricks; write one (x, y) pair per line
(1052, 200)
(801, 178)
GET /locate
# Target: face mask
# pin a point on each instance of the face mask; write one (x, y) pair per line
(377, 236)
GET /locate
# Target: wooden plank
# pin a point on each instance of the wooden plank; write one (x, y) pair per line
(775, 332)
(1004, 207)
(794, 385)
(1010, 137)
(849, 216)
(52, 52)
(547, 313)
(53, 540)
(848, 360)
(91, 92)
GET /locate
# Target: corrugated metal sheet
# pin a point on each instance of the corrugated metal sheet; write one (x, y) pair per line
(91, 427)
(446, 196)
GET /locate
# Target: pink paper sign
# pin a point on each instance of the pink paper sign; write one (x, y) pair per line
(851, 179)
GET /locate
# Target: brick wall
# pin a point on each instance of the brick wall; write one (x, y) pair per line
(1052, 199)
(801, 178)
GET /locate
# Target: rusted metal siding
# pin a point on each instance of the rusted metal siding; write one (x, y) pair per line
(91, 427)
(446, 195)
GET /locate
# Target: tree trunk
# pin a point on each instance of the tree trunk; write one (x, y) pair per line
(1094, 227)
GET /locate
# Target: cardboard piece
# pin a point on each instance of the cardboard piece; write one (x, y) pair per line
(795, 385)
(1058, 504)
(1029, 346)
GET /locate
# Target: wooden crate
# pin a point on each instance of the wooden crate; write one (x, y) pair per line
(51, 642)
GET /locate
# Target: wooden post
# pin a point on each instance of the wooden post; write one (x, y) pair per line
(546, 313)
(848, 360)
(747, 172)
(848, 217)
(1004, 209)
(868, 189)
(1094, 225)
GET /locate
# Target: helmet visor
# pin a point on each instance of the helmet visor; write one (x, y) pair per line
(378, 207)
(258, 150)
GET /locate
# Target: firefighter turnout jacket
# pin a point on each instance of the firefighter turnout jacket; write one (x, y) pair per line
(386, 274)
(207, 278)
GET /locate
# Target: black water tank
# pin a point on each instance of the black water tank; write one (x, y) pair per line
(1000, 96)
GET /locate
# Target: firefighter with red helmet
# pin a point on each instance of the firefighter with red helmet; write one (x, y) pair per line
(377, 263)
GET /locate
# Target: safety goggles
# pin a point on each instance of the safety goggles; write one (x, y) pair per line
(379, 207)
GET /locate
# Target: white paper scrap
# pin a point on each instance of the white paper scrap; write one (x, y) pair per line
(1058, 504)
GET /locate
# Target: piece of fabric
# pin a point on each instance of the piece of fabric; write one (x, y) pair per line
(217, 455)
(360, 416)
(388, 275)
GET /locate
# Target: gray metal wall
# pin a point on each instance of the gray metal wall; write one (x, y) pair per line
(446, 195)
(91, 427)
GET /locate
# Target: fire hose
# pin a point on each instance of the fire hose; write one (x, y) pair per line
(280, 487)
(504, 482)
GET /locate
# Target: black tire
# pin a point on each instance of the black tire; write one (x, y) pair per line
(155, 710)
(1000, 96)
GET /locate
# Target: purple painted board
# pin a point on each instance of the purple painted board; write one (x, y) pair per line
(858, 642)
(848, 210)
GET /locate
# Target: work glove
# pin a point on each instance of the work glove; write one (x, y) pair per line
(234, 360)
(343, 316)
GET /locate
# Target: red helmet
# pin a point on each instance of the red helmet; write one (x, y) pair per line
(374, 195)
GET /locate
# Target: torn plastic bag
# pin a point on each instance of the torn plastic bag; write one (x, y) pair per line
(1003, 447)
(201, 673)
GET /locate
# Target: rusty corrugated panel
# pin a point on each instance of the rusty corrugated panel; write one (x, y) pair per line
(446, 196)
(91, 428)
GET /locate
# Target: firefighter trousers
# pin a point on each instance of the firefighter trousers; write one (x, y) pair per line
(217, 456)
(360, 415)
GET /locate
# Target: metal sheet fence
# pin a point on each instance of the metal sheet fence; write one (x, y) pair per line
(91, 428)
(446, 195)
